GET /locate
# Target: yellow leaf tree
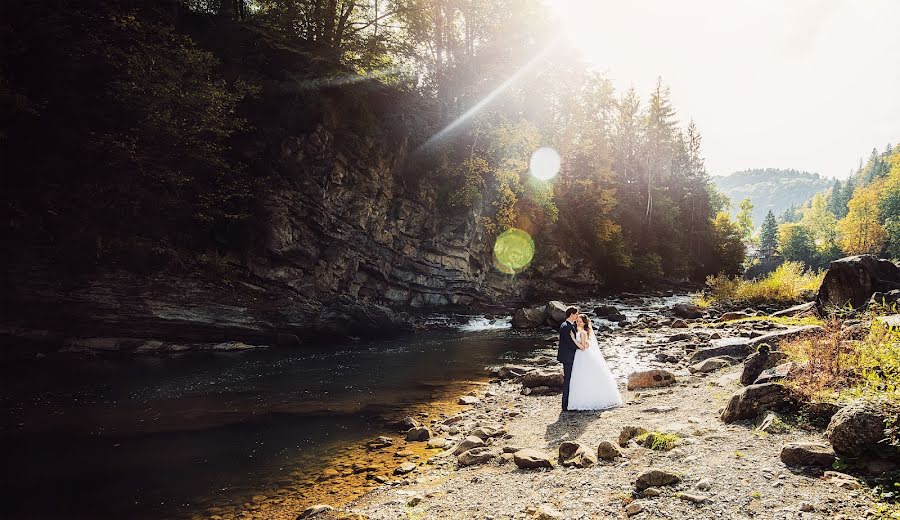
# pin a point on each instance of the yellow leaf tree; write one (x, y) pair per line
(861, 232)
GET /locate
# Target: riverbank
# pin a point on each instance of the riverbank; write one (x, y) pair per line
(718, 470)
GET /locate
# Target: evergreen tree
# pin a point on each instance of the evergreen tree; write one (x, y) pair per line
(796, 244)
(768, 236)
(835, 199)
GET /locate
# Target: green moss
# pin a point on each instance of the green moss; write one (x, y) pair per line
(659, 441)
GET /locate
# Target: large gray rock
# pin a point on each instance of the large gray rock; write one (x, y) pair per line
(776, 373)
(853, 280)
(687, 310)
(530, 317)
(556, 312)
(476, 456)
(797, 311)
(807, 454)
(467, 444)
(606, 450)
(418, 434)
(709, 365)
(576, 454)
(748, 402)
(742, 347)
(656, 478)
(763, 359)
(856, 430)
(549, 377)
(532, 459)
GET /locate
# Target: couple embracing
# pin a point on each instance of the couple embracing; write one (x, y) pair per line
(588, 384)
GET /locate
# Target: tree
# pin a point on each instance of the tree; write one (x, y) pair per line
(836, 203)
(745, 220)
(861, 231)
(768, 236)
(729, 248)
(822, 226)
(796, 243)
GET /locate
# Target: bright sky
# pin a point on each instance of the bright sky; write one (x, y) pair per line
(806, 84)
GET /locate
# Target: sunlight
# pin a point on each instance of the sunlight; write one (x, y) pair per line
(468, 114)
(544, 164)
(513, 251)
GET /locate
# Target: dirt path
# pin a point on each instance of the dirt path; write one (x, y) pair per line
(735, 470)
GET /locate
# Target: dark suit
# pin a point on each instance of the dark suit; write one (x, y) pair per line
(566, 356)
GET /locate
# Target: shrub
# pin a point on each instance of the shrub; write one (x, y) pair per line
(789, 283)
(838, 368)
(659, 441)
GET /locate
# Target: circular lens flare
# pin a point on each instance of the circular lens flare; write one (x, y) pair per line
(544, 163)
(513, 251)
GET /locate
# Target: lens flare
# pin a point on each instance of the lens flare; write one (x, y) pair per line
(544, 163)
(513, 251)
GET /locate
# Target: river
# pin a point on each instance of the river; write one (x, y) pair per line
(141, 437)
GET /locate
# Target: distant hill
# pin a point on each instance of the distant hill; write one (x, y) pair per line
(770, 188)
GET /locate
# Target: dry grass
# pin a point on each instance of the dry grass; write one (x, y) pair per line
(791, 282)
(837, 367)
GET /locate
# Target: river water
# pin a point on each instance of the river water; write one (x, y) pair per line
(143, 437)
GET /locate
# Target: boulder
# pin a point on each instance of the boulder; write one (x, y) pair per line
(889, 298)
(655, 478)
(797, 311)
(403, 469)
(854, 279)
(532, 459)
(609, 312)
(469, 400)
(650, 379)
(687, 310)
(776, 373)
(380, 442)
(748, 402)
(856, 430)
(709, 365)
(606, 450)
(742, 347)
(764, 358)
(679, 324)
(476, 456)
(467, 444)
(629, 432)
(807, 454)
(529, 317)
(419, 433)
(549, 377)
(681, 336)
(731, 316)
(313, 511)
(406, 423)
(575, 454)
(486, 432)
(556, 312)
(437, 442)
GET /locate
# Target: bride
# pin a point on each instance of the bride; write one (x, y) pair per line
(593, 386)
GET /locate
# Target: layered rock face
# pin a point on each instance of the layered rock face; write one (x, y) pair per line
(345, 224)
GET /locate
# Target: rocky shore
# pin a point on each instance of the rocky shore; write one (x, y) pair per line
(708, 431)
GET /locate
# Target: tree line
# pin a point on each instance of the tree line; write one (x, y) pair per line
(153, 108)
(860, 215)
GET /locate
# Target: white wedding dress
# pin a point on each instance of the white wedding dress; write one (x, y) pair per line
(593, 386)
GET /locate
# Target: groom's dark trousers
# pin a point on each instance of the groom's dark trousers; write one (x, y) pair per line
(566, 356)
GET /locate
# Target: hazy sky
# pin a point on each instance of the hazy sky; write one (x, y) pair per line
(805, 84)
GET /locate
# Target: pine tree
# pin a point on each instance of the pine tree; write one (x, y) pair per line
(836, 204)
(768, 236)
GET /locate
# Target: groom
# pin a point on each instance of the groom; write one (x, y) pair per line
(566, 354)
